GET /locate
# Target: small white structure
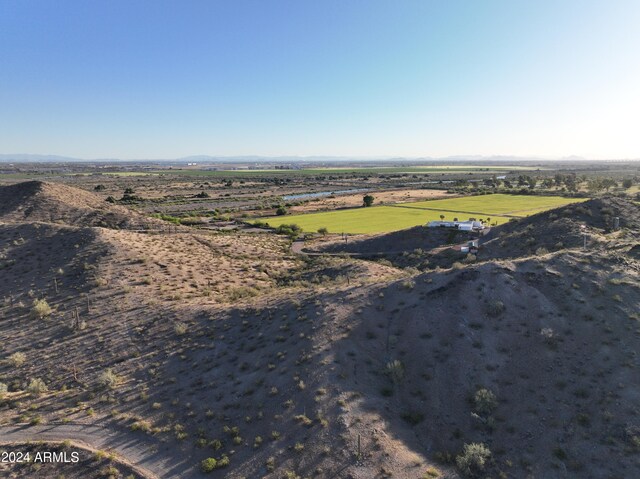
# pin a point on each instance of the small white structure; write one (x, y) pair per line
(470, 247)
(458, 225)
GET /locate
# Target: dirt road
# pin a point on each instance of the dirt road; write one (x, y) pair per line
(146, 455)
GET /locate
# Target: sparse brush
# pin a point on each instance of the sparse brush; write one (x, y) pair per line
(395, 370)
(41, 308)
(37, 387)
(108, 379)
(180, 328)
(17, 359)
(409, 284)
(303, 420)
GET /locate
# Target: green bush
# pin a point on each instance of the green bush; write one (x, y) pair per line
(484, 401)
(473, 459)
(208, 464)
(292, 230)
(211, 463)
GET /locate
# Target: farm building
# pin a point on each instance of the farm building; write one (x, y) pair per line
(459, 225)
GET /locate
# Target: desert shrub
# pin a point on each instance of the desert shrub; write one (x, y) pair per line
(216, 444)
(41, 308)
(208, 464)
(395, 370)
(323, 230)
(271, 464)
(108, 379)
(431, 472)
(495, 308)
(412, 417)
(291, 230)
(560, 453)
(17, 359)
(109, 471)
(37, 387)
(473, 458)
(484, 401)
(180, 328)
(470, 258)
(281, 211)
(548, 335)
(304, 420)
(409, 284)
(141, 425)
(242, 292)
(3, 390)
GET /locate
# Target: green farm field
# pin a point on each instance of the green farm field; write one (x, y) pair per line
(382, 219)
(498, 204)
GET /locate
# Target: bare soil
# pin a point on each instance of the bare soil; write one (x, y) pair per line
(228, 345)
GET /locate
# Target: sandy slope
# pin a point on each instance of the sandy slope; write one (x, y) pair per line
(290, 375)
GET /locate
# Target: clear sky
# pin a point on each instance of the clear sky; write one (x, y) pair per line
(163, 79)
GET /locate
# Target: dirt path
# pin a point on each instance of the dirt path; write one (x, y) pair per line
(297, 247)
(149, 457)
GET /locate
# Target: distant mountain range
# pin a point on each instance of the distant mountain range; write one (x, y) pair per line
(32, 158)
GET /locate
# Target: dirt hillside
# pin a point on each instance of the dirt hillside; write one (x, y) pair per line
(561, 228)
(190, 346)
(57, 203)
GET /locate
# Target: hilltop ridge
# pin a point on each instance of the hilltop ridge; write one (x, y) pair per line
(40, 201)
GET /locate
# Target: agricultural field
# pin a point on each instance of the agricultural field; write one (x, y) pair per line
(497, 204)
(381, 219)
(461, 169)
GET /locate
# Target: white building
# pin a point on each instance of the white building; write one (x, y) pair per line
(458, 225)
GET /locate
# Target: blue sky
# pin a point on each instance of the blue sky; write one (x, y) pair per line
(163, 79)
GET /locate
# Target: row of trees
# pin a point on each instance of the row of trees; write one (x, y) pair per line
(569, 182)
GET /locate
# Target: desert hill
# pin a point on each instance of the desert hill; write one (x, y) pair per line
(552, 230)
(561, 228)
(39, 201)
(192, 345)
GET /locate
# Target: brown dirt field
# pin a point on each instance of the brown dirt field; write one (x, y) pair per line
(386, 197)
